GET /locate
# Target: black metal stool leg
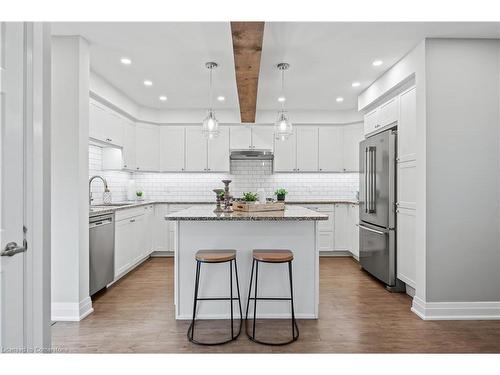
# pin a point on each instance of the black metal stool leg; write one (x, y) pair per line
(249, 292)
(195, 300)
(255, 298)
(231, 295)
(294, 323)
(239, 298)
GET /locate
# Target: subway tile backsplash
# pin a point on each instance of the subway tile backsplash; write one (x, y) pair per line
(250, 175)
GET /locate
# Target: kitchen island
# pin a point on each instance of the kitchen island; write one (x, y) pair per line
(295, 228)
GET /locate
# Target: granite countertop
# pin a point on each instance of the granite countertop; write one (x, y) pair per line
(206, 213)
(108, 209)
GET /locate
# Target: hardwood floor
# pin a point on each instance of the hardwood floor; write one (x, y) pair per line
(357, 315)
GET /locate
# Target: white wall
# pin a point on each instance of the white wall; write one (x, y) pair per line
(463, 164)
(70, 116)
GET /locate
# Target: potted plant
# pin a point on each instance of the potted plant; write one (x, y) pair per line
(250, 197)
(139, 194)
(280, 194)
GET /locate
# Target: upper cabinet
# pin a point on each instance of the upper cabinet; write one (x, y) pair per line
(285, 154)
(382, 116)
(307, 149)
(207, 155)
(250, 137)
(330, 149)
(172, 148)
(351, 136)
(128, 152)
(147, 147)
(407, 126)
(105, 125)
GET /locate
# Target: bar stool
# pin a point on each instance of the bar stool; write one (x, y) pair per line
(277, 257)
(212, 257)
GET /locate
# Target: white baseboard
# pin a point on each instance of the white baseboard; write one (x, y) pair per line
(456, 310)
(71, 312)
(162, 254)
(236, 316)
(339, 253)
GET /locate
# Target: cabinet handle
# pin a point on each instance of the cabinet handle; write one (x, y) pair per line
(137, 168)
(124, 165)
(132, 220)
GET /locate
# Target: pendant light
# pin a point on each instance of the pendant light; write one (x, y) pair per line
(282, 126)
(210, 124)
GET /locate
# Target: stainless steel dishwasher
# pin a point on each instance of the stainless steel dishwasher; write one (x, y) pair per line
(102, 251)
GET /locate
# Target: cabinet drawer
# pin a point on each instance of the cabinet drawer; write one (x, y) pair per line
(129, 213)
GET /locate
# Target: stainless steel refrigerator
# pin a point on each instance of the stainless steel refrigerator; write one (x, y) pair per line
(377, 207)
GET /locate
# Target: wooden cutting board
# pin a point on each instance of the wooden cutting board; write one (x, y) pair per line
(256, 206)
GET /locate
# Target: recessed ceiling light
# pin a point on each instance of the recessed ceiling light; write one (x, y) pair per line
(148, 83)
(377, 63)
(221, 98)
(339, 99)
(355, 84)
(281, 99)
(125, 61)
(163, 98)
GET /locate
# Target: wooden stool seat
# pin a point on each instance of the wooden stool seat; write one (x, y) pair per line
(215, 256)
(273, 256)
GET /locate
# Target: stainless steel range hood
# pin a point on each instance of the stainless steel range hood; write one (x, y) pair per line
(251, 155)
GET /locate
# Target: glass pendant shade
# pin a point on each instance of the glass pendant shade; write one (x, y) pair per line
(282, 126)
(210, 125)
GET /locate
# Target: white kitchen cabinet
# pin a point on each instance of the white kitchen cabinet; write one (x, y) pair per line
(262, 137)
(140, 242)
(105, 125)
(285, 159)
(326, 232)
(388, 113)
(405, 237)
(147, 147)
(353, 230)
(172, 148)
(307, 148)
(172, 233)
(112, 158)
(196, 150)
(161, 228)
(330, 149)
(370, 121)
(124, 244)
(351, 136)
(128, 151)
(218, 151)
(341, 222)
(407, 125)
(241, 137)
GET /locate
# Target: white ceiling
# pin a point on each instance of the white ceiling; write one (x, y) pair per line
(325, 59)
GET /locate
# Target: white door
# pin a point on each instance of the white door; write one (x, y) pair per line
(307, 149)
(352, 135)
(241, 137)
(12, 298)
(218, 151)
(128, 151)
(147, 152)
(285, 159)
(196, 150)
(330, 149)
(172, 148)
(341, 227)
(262, 137)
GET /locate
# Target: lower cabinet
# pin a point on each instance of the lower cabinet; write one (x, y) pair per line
(353, 229)
(133, 237)
(341, 222)
(405, 236)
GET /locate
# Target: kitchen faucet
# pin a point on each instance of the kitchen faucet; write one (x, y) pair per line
(90, 183)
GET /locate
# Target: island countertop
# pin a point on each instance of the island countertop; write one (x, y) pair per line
(206, 212)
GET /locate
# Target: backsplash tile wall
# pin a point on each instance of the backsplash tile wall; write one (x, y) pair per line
(246, 176)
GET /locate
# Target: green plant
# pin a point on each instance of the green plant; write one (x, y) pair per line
(280, 192)
(250, 197)
(139, 193)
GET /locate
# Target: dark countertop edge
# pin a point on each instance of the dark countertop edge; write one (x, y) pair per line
(112, 209)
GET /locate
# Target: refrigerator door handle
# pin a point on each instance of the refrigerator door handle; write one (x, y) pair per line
(373, 196)
(366, 180)
(371, 230)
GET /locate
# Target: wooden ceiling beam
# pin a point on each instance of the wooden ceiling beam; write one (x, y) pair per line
(247, 48)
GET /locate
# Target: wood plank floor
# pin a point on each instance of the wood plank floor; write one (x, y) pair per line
(357, 315)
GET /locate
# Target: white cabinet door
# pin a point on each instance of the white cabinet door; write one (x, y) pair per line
(330, 149)
(160, 228)
(307, 148)
(218, 151)
(140, 241)
(341, 227)
(262, 137)
(196, 150)
(405, 237)
(147, 147)
(352, 135)
(241, 137)
(172, 225)
(325, 241)
(128, 151)
(97, 122)
(285, 159)
(112, 158)
(114, 129)
(172, 148)
(407, 126)
(388, 113)
(354, 230)
(370, 121)
(124, 242)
